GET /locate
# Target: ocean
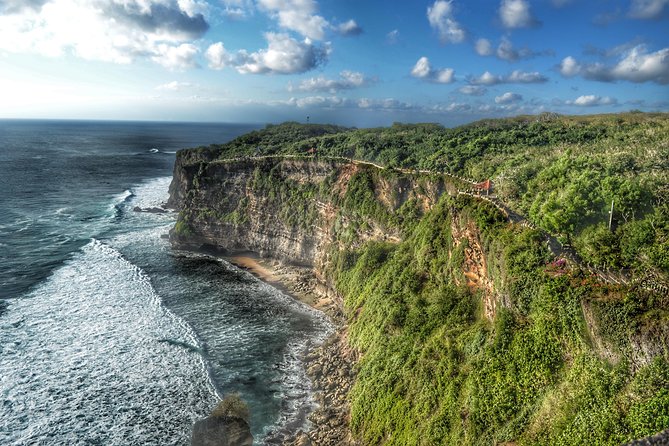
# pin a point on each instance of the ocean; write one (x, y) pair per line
(108, 336)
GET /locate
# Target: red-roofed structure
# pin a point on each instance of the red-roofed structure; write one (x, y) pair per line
(484, 187)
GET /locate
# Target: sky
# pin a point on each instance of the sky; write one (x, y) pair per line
(351, 62)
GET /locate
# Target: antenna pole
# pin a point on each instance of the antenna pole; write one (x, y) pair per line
(611, 215)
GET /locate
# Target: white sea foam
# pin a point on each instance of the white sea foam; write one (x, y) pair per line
(153, 193)
(82, 360)
(83, 357)
(123, 197)
(64, 211)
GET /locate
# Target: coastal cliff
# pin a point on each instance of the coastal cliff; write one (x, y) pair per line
(294, 210)
(463, 326)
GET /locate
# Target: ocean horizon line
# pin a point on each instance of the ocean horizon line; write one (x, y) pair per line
(121, 121)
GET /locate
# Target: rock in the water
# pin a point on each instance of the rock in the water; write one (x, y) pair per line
(221, 431)
(153, 210)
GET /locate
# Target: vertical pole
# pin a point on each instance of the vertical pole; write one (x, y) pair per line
(611, 215)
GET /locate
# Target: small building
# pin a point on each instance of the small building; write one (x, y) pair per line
(311, 151)
(484, 187)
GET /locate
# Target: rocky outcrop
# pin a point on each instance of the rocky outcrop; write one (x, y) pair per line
(331, 370)
(220, 208)
(221, 431)
(226, 426)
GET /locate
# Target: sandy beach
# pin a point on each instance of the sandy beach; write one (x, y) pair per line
(298, 282)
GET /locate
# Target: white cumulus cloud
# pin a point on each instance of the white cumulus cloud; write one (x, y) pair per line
(635, 65)
(176, 57)
(444, 76)
(349, 28)
(283, 55)
(301, 16)
(591, 100)
(647, 9)
(515, 77)
(440, 16)
(347, 80)
(297, 15)
(506, 51)
(424, 70)
(320, 102)
(569, 67)
(335, 102)
(524, 77)
(516, 14)
(508, 98)
(483, 47)
(217, 56)
(486, 78)
(118, 31)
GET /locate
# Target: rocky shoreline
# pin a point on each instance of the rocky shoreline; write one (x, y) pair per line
(330, 366)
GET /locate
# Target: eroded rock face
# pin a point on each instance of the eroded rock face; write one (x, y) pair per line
(287, 209)
(475, 264)
(221, 431)
(223, 209)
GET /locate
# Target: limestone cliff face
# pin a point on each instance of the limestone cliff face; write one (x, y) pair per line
(220, 209)
(292, 210)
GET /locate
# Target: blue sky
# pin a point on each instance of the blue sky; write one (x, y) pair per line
(361, 63)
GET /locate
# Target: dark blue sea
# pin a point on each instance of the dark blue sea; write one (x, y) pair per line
(108, 336)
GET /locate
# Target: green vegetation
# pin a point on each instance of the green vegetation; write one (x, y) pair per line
(182, 228)
(434, 370)
(560, 172)
(528, 352)
(295, 200)
(277, 139)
